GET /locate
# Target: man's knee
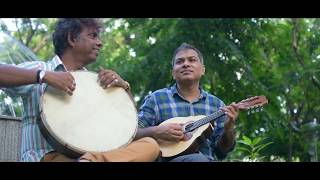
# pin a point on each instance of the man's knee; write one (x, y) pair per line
(151, 144)
(149, 140)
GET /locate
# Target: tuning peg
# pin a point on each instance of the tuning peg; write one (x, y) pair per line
(250, 111)
(257, 109)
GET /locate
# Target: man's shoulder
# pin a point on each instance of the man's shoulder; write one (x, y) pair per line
(158, 93)
(162, 91)
(213, 97)
(33, 64)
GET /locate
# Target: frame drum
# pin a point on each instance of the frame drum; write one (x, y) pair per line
(92, 119)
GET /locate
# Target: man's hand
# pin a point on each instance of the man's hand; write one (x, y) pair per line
(169, 133)
(109, 78)
(232, 112)
(61, 80)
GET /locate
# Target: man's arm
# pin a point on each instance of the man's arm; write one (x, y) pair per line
(227, 139)
(163, 134)
(145, 132)
(15, 76)
(149, 127)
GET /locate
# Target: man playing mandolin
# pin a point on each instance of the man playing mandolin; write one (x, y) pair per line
(77, 44)
(186, 98)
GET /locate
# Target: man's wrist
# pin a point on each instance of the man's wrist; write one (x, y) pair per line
(229, 125)
(153, 131)
(40, 76)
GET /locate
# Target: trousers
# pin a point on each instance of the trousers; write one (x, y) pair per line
(142, 150)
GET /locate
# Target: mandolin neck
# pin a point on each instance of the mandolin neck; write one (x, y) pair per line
(205, 120)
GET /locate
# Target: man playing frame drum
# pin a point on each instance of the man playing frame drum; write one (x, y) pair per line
(77, 44)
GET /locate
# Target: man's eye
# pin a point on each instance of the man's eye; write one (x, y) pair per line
(93, 35)
(178, 61)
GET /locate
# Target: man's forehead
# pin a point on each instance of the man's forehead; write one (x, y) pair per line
(90, 30)
(186, 53)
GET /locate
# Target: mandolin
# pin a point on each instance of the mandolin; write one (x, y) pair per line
(197, 128)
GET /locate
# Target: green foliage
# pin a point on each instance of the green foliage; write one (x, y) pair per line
(251, 148)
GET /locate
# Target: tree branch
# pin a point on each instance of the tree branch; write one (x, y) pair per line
(19, 33)
(295, 41)
(41, 44)
(32, 31)
(299, 110)
(315, 82)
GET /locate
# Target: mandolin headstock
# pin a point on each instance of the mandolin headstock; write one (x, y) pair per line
(253, 104)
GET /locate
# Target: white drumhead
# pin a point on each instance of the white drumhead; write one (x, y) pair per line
(93, 118)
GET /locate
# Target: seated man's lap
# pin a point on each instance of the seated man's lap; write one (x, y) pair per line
(195, 157)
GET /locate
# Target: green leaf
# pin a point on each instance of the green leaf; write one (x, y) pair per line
(244, 149)
(262, 146)
(247, 140)
(256, 141)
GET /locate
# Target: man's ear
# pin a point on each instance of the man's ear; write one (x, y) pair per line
(203, 70)
(71, 40)
(173, 75)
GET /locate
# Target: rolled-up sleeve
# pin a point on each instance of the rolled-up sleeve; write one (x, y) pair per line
(147, 114)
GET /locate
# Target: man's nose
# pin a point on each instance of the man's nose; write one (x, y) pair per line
(186, 63)
(99, 43)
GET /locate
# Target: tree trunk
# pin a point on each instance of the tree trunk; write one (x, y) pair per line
(290, 144)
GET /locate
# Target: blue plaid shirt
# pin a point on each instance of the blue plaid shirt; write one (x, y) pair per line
(167, 103)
